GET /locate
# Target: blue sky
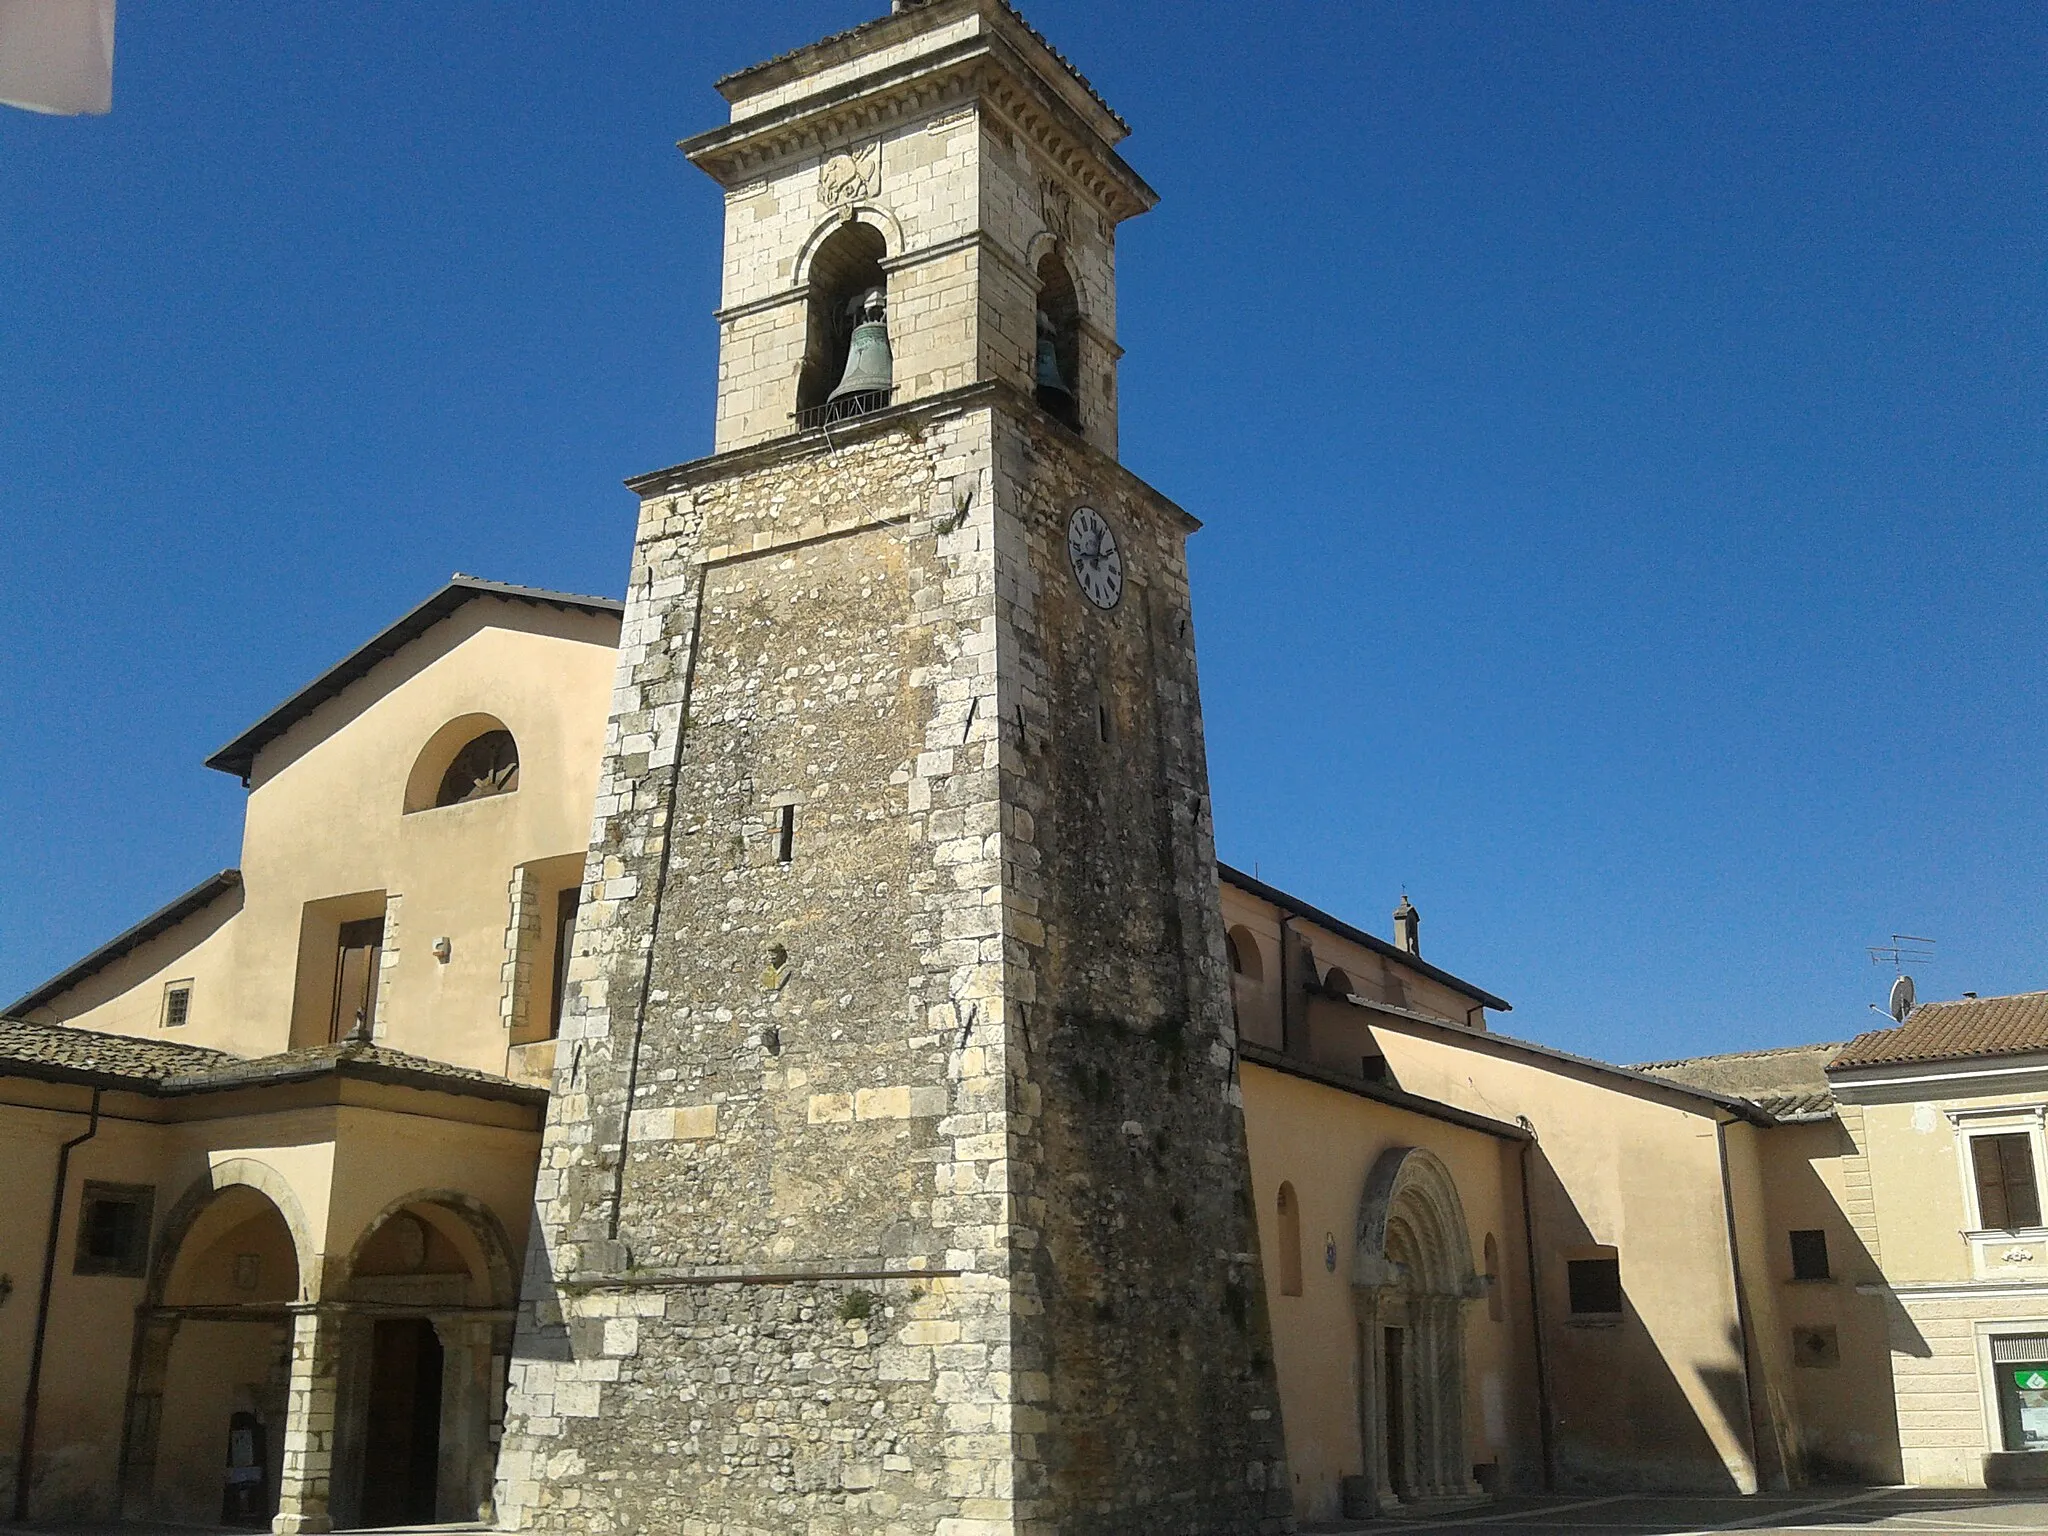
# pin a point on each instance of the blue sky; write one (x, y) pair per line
(1619, 432)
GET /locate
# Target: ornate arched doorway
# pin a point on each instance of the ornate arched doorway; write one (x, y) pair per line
(1411, 1279)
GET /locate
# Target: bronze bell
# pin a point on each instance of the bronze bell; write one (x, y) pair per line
(1046, 375)
(869, 367)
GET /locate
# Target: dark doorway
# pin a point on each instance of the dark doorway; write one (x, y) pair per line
(1396, 1387)
(359, 952)
(403, 1445)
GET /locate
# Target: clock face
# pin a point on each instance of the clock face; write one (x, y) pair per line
(1098, 563)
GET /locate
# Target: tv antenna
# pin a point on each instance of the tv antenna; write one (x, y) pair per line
(1905, 949)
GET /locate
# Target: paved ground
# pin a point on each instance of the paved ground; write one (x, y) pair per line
(1867, 1512)
(1862, 1512)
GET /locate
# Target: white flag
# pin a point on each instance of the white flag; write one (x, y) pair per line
(57, 55)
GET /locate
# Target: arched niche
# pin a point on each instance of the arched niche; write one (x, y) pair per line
(1338, 983)
(476, 747)
(1287, 1221)
(844, 268)
(1411, 1278)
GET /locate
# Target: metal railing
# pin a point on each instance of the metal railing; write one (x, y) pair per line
(845, 408)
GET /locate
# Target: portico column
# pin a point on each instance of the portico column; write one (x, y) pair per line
(466, 1459)
(307, 1480)
(155, 1334)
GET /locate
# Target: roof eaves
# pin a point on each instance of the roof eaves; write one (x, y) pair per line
(1371, 941)
(161, 921)
(1395, 1098)
(1740, 1107)
(268, 1071)
(238, 757)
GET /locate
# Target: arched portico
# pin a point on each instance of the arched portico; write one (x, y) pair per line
(1411, 1277)
(206, 1413)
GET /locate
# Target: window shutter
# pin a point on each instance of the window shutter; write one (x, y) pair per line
(2022, 1195)
(1990, 1167)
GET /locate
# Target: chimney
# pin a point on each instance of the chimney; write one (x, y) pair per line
(1408, 927)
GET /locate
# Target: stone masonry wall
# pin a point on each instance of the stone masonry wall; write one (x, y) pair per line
(894, 1177)
(781, 1301)
(1139, 1290)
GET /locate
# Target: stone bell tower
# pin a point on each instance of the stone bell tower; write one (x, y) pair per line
(895, 1176)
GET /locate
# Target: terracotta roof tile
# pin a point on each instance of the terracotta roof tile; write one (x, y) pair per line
(86, 1053)
(1792, 1075)
(64, 1053)
(1969, 1026)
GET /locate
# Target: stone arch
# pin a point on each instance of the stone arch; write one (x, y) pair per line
(253, 1324)
(1411, 1277)
(488, 1250)
(236, 1172)
(881, 220)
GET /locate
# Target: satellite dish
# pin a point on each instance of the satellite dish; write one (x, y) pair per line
(1902, 998)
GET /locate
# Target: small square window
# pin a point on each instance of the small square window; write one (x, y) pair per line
(177, 1003)
(1810, 1255)
(113, 1229)
(1595, 1286)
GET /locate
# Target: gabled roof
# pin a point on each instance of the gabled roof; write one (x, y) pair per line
(1788, 1081)
(1299, 908)
(162, 920)
(239, 756)
(1950, 1031)
(61, 1053)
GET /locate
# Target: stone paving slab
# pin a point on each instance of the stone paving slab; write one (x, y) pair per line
(1878, 1512)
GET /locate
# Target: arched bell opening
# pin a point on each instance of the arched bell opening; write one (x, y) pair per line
(422, 1356)
(847, 368)
(1412, 1276)
(212, 1365)
(1056, 368)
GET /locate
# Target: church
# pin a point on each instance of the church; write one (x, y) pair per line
(780, 1052)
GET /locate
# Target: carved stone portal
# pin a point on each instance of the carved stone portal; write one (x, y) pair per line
(1411, 1278)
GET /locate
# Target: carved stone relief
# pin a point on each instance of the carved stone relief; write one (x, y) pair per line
(848, 177)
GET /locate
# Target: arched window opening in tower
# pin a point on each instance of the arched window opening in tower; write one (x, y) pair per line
(847, 369)
(1056, 371)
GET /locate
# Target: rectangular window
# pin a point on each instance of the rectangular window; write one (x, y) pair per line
(177, 1003)
(113, 1229)
(565, 941)
(785, 837)
(1595, 1286)
(2007, 1197)
(1810, 1255)
(359, 952)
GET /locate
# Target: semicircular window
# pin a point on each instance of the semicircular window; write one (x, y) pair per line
(488, 766)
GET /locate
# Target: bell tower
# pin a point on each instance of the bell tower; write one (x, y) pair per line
(946, 157)
(895, 1175)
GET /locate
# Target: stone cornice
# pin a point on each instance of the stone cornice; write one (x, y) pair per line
(799, 445)
(983, 70)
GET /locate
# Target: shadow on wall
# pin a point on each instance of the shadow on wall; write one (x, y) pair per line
(1842, 1340)
(1622, 1418)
